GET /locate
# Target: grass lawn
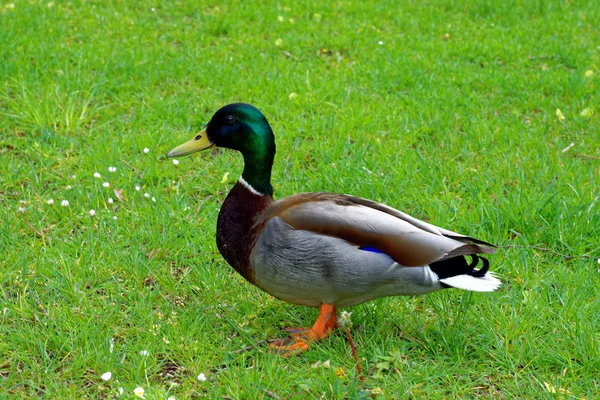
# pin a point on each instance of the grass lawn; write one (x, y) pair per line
(481, 117)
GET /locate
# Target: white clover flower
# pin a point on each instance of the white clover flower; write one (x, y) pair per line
(137, 188)
(92, 212)
(345, 320)
(21, 209)
(64, 203)
(380, 43)
(97, 175)
(106, 184)
(120, 390)
(146, 150)
(110, 200)
(106, 376)
(176, 162)
(154, 199)
(292, 96)
(147, 195)
(202, 377)
(112, 169)
(69, 187)
(115, 217)
(153, 9)
(171, 398)
(50, 201)
(144, 353)
(139, 392)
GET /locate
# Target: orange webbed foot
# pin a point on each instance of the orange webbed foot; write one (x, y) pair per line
(289, 346)
(300, 338)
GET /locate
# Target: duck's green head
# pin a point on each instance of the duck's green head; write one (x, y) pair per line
(239, 127)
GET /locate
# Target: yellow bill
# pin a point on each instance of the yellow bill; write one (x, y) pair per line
(198, 142)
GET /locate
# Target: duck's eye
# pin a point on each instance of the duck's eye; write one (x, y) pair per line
(230, 119)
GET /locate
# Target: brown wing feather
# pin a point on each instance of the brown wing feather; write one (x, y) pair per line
(427, 226)
(409, 241)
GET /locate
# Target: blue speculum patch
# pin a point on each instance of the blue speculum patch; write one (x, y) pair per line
(372, 249)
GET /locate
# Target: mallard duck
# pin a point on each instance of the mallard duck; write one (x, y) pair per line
(326, 250)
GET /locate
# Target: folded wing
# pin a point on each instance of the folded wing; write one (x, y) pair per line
(408, 240)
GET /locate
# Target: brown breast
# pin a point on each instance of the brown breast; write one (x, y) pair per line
(236, 233)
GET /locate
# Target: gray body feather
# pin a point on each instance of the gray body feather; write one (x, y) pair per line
(311, 269)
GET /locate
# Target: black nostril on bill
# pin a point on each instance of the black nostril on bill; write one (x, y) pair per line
(198, 137)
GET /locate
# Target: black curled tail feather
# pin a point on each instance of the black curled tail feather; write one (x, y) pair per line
(479, 273)
(458, 266)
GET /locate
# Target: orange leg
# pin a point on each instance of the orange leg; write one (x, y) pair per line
(300, 338)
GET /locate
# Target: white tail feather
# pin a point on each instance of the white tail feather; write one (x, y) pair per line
(488, 283)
